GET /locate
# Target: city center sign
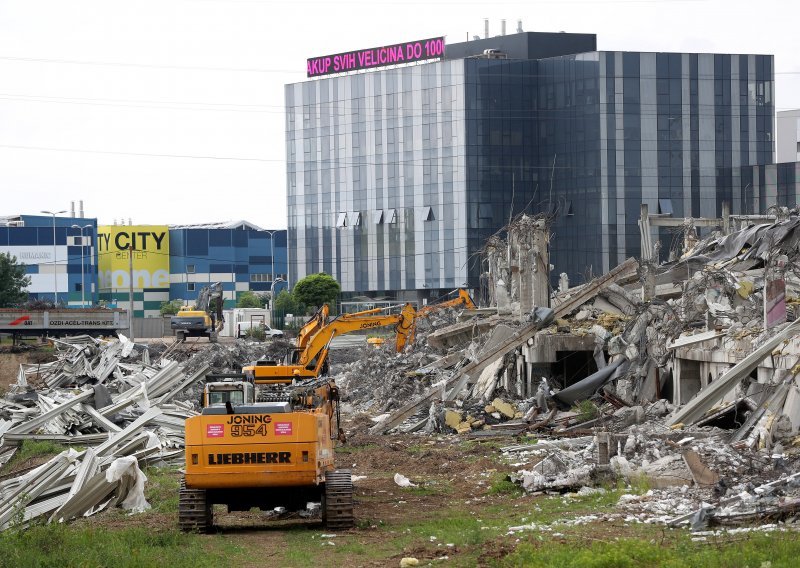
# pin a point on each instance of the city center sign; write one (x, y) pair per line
(408, 52)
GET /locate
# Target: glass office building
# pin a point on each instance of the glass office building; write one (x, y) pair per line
(397, 177)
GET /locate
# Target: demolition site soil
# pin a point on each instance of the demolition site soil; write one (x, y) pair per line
(459, 514)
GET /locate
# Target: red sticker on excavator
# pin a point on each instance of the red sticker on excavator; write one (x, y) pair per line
(215, 430)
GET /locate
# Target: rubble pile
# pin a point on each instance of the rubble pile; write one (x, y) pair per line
(126, 405)
(379, 380)
(682, 473)
(690, 380)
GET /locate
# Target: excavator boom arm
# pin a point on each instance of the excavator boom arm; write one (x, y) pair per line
(360, 321)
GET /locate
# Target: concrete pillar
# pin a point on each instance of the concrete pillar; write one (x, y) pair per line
(541, 267)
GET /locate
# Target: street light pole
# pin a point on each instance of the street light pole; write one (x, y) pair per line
(55, 275)
(272, 246)
(83, 286)
(272, 293)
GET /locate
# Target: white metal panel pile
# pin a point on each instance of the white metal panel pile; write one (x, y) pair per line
(99, 394)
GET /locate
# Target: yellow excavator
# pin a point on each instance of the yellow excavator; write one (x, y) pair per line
(309, 357)
(264, 438)
(203, 319)
(462, 298)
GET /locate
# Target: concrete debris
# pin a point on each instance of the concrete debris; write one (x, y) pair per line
(126, 408)
(665, 376)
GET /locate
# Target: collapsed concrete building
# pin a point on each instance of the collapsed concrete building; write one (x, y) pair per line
(684, 373)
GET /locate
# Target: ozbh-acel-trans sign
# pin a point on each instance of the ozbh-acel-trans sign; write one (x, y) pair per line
(376, 57)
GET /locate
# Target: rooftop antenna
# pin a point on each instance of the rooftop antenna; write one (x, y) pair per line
(519, 26)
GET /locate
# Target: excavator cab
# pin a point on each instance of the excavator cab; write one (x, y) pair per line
(227, 390)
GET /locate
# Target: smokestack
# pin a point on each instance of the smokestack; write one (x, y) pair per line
(72, 209)
(130, 221)
(519, 26)
(81, 208)
(502, 27)
(486, 28)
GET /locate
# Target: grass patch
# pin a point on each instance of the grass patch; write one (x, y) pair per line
(776, 550)
(639, 484)
(427, 489)
(586, 411)
(163, 488)
(418, 449)
(32, 449)
(470, 446)
(502, 485)
(457, 528)
(64, 545)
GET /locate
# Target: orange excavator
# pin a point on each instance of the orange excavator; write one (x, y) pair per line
(309, 357)
(462, 298)
(264, 438)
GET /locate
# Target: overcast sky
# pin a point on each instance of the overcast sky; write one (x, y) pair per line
(171, 111)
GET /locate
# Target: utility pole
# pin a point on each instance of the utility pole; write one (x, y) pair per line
(130, 291)
(55, 253)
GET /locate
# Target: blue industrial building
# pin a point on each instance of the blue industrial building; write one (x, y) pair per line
(240, 255)
(68, 264)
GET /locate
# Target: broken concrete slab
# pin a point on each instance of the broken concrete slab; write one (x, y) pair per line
(701, 473)
(541, 317)
(713, 393)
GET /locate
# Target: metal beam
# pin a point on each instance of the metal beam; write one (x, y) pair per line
(42, 419)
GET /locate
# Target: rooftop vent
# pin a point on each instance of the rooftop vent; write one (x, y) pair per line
(494, 54)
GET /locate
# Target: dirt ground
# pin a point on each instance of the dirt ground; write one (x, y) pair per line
(12, 357)
(453, 480)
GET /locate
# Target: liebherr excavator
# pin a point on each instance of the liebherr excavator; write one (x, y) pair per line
(265, 438)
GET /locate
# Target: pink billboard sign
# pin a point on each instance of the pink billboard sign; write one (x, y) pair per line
(408, 52)
(775, 302)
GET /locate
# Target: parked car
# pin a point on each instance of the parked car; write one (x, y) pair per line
(243, 327)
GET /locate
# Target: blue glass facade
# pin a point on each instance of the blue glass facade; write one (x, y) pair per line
(29, 238)
(242, 259)
(673, 131)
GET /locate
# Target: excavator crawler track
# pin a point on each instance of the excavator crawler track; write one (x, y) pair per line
(195, 513)
(338, 501)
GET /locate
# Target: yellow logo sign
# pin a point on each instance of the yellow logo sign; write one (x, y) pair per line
(149, 246)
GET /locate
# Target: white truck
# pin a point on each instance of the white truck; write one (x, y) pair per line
(243, 327)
